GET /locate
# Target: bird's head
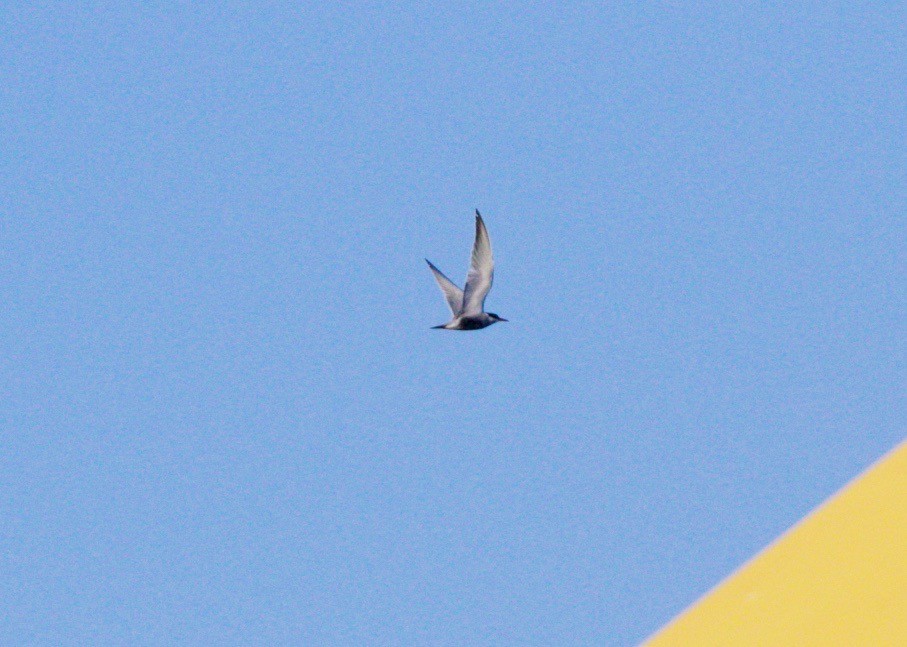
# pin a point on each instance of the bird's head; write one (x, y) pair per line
(495, 318)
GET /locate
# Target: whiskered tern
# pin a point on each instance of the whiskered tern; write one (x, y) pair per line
(468, 305)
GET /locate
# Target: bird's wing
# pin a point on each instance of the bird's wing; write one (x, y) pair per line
(452, 293)
(481, 271)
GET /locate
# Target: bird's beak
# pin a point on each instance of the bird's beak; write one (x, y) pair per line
(502, 319)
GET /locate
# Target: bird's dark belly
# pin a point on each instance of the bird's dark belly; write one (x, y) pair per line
(472, 323)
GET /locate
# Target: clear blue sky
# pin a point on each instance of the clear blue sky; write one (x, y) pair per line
(225, 419)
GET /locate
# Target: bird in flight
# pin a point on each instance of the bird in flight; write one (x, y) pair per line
(468, 305)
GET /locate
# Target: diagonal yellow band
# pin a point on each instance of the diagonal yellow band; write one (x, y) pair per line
(839, 577)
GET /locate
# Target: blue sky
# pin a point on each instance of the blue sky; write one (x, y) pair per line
(225, 419)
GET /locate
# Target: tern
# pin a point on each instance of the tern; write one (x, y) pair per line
(468, 305)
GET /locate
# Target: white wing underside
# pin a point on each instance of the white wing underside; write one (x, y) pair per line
(452, 293)
(481, 272)
(470, 301)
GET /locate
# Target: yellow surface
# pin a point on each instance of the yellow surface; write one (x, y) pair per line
(838, 578)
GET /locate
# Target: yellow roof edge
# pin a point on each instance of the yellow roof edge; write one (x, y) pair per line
(898, 452)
